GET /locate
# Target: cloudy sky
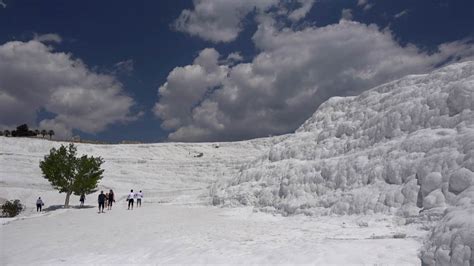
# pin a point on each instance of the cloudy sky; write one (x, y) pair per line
(210, 70)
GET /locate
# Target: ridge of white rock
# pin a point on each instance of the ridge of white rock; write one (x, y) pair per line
(169, 172)
(403, 147)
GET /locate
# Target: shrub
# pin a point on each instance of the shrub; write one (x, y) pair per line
(11, 209)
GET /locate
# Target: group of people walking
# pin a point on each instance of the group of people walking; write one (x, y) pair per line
(106, 199)
(131, 198)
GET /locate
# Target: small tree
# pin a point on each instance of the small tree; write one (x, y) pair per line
(37, 132)
(6, 133)
(44, 133)
(51, 133)
(70, 174)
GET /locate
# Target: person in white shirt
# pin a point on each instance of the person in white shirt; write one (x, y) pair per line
(130, 197)
(39, 204)
(139, 198)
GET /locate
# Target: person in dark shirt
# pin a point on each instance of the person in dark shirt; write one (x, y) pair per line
(101, 201)
(82, 199)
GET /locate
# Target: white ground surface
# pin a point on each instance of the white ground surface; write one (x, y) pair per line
(183, 234)
(176, 224)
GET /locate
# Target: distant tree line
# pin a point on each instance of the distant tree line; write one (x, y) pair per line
(24, 131)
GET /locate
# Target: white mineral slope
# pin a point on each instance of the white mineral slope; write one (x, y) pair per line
(401, 148)
(172, 226)
(168, 172)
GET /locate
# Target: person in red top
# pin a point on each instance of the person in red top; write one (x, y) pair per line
(111, 200)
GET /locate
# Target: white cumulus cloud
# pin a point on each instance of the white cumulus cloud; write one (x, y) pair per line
(218, 20)
(34, 77)
(223, 20)
(294, 72)
(187, 86)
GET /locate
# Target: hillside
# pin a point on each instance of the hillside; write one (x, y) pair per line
(176, 224)
(168, 171)
(404, 148)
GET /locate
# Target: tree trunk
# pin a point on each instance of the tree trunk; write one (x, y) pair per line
(66, 203)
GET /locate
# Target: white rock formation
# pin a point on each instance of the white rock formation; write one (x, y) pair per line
(404, 147)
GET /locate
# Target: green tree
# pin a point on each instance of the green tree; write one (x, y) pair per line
(51, 133)
(70, 174)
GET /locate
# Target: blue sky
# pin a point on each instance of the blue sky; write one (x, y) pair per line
(94, 68)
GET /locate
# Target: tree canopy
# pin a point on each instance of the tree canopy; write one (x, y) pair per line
(70, 174)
